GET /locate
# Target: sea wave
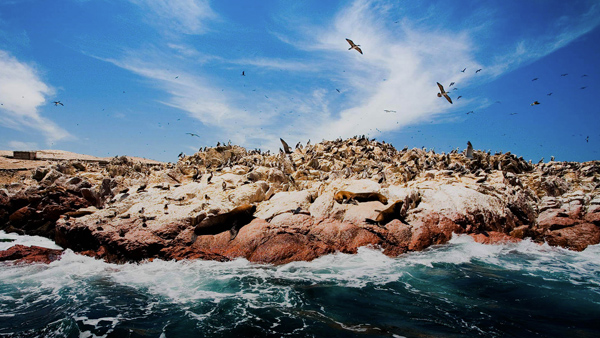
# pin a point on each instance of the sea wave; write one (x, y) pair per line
(460, 287)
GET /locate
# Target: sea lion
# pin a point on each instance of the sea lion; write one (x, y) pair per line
(233, 221)
(348, 196)
(385, 216)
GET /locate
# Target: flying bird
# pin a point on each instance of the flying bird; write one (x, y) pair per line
(443, 93)
(565, 74)
(389, 111)
(56, 103)
(243, 73)
(478, 70)
(587, 139)
(470, 112)
(535, 103)
(459, 97)
(549, 94)
(534, 79)
(353, 46)
(192, 134)
(462, 71)
(584, 75)
(451, 84)
(513, 113)
(338, 90)
(580, 88)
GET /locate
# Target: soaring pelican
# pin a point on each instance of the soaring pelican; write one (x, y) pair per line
(353, 46)
(443, 93)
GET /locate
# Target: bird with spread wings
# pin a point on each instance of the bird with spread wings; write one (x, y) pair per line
(353, 46)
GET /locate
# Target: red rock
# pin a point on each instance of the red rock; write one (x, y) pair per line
(22, 216)
(576, 238)
(34, 254)
(494, 237)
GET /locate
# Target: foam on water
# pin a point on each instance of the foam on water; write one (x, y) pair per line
(25, 240)
(95, 298)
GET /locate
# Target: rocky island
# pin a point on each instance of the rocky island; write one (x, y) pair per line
(124, 209)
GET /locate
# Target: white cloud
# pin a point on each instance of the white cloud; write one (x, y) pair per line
(182, 16)
(398, 71)
(21, 94)
(18, 145)
(557, 35)
(198, 97)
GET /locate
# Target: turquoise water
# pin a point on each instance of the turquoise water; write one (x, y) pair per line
(463, 289)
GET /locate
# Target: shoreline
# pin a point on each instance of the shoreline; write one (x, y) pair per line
(128, 210)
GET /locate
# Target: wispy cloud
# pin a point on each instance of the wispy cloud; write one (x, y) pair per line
(181, 16)
(21, 94)
(557, 35)
(196, 96)
(398, 71)
(19, 145)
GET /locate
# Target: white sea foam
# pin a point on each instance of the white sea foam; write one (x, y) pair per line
(260, 285)
(26, 240)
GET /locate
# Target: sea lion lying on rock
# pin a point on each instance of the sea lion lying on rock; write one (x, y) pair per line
(387, 215)
(347, 197)
(232, 221)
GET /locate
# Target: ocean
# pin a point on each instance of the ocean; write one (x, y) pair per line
(461, 289)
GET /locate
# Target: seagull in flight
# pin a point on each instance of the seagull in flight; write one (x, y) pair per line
(535, 103)
(353, 46)
(451, 84)
(565, 74)
(478, 70)
(459, 96)
(470, 112)
(192, 134)
(443, 93)
(338, 90)
(243, 73)
(462, 71)
(389, 111)
(534, 79)
(56, 103)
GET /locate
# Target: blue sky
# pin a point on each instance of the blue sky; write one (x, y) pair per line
(136, 75)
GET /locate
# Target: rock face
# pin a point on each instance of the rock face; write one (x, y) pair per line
(25, 254)
(128, 212)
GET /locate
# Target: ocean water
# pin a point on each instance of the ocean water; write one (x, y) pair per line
(462, 289)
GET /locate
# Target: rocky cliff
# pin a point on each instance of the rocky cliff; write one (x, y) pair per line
(128, 211)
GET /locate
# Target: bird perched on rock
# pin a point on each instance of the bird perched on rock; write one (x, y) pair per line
(56, 103)
(286, 148)
(469, 149)
(353, 46)
(443, 93)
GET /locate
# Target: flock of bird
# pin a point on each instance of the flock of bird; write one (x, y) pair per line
(442, 93)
